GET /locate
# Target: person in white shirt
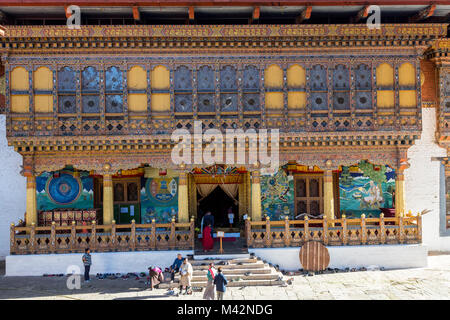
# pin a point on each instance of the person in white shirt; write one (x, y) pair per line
(230, 217)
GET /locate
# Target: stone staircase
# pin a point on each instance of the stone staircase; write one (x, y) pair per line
(240, 272)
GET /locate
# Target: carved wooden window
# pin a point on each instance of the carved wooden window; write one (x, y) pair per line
(137, 89)
(385, 89)
(296, 83)
(113, 90)
(308, 194)
(160, 85)
(273, 82)
(251, 88)
(407, 88)
(90, 90)
(341, 88)
(183, 90)
(126, 190)
(43, 90)
(363, 87)
(67, 87)
(20, 86)
(228, 90)
(319, 87)
(206, 90)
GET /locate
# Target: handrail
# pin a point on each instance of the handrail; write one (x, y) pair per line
(75, 238)
(342, 231)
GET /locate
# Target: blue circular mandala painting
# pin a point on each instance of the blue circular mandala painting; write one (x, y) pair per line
(64, 189)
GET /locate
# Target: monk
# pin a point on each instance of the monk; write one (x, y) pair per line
(207, 240)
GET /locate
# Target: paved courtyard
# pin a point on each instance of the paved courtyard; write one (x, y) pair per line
(432, 282)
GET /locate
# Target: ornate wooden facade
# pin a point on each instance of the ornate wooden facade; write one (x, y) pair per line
(107, 98)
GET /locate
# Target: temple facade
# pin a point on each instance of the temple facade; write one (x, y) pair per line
(92, 112)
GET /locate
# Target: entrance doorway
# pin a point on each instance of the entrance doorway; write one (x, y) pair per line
(218, 202)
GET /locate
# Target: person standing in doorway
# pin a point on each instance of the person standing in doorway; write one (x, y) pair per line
(230, 217)
(87, 261)
(207, 239)
(221, 284)
(208, 219)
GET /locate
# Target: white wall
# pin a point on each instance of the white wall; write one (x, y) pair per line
(103, 262)
(386, 256)
(12, 189)
(424, 182)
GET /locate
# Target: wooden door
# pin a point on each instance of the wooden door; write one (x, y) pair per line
(308, 194)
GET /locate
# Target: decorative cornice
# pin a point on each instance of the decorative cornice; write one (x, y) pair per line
(60, 39)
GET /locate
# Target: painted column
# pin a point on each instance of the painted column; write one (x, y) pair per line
(183, 203)
(328, 194)
(399, 193)
(108, 199)
(31, 213)
(256, 196)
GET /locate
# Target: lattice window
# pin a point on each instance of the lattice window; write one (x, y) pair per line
(113, 90)
(67, 87)
(341, 88)
(363, 87)
(228, 89)
(251, 88)
(407, 87)
(90, 90)
(385, 89)
(319, 87)
(183, 89)
(205, 89)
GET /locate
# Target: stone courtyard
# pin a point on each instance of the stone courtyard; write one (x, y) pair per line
(432, 282)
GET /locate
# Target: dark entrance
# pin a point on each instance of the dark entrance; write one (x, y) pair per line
(218, 203)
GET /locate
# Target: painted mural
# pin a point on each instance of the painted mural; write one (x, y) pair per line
(64, 189)
(277, 195)
(364, 188)
(159, 200)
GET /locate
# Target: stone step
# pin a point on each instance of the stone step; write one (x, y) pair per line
(236, 271)
(199, 262)
(242, 283)
(266, 276)
(253, 265)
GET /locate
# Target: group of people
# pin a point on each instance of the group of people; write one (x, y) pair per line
(216, 279)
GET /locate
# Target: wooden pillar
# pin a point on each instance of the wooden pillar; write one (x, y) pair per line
(108, 199)
(399, 193)
(328, 194)
(256, 196)
(31, 206)
(183, 203)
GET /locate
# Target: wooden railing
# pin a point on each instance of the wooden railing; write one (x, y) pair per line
(102, 238)
(362, 231)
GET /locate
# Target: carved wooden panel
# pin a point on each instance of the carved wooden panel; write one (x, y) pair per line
(228, 78)
(205, 79)
(251, 78)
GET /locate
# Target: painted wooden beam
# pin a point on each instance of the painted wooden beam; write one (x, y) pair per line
(136, 13)
(363, 13)
(423, 14)
(305, 15)
(191, 13)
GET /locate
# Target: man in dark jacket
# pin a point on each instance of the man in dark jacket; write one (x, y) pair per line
(221, 284)
(208, 219)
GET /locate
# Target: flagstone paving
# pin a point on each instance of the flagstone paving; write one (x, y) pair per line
(432, 282)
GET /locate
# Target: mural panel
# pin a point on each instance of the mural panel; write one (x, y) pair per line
(365, 188)
(277, 195)
(159, 200)
(64, 189)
